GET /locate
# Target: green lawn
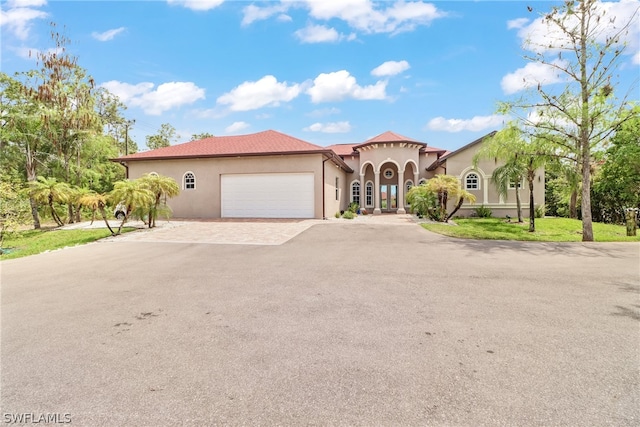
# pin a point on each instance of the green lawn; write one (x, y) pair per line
(31, 242)
(547, 230)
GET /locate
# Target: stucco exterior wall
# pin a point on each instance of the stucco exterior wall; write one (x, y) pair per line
(334, 204)
(204, 200)
(461, 164)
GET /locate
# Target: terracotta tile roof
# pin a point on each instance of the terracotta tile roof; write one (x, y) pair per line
(343, 149)
(265, 142)
(433, 150)
(389, 136)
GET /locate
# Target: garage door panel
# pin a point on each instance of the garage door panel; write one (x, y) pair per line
(274, 195)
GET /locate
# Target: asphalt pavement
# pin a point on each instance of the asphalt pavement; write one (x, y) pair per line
(344, 324)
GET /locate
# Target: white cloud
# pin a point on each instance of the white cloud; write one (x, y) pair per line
(317, 34)
(324, 112)
(197, 4)
(532, 74)
(155, 102)
(517, 23)
(475, 124)
(542, 35)
(253, 95)
(390, 68)
(333, 127)
(364, 15)
(17, 18)
(236, 127)
(32, 53)
(107, 35)
(340, 85)
(26, 3)
(636, 58)
(253, 13)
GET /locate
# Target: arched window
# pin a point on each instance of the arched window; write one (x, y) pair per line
(472, 182)
(408, 185)
(189, 181)
(153, 174)
(355, 192)
(422, 181)
(368, 194)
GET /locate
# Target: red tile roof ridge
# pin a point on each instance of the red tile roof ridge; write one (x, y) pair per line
(390, 136)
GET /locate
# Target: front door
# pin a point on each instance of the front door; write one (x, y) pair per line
(388, 197)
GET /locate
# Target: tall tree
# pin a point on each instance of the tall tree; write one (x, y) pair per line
(22, 142)
(617, 183)
(67, 94)
(165, 136)
(582, 45)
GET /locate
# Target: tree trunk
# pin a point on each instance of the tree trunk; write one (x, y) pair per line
(531, 175)
(458, 205)
(573, 208)
(106, 221)
(30, 166)
(585, 120)
(518, 202)
(34, 213)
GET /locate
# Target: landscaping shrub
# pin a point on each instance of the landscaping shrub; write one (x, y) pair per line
(483, 212)
(348, 215)
(539, 211)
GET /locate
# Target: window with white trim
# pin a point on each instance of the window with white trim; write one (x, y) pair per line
(189, 181)
(408, 185)
(368, 194)
(153, 174)
(512, 185)
(388, 173)
(472, 182)
(355, 192)
(422, 181)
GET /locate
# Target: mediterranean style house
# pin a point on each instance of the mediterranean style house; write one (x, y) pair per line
(272, 175)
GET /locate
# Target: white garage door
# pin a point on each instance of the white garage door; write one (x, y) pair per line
(270, 195)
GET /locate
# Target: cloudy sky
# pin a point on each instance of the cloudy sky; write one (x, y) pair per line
(323, 71)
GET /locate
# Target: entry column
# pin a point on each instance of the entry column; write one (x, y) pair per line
(400, 201)
(363, 193)
(376, 183)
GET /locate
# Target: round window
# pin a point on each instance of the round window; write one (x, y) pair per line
(388, 173)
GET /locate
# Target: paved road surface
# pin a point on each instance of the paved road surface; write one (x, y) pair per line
(345, 324)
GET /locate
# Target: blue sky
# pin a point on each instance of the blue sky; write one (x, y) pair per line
(323, 71)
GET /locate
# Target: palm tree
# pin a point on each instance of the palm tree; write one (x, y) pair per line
(96, 202)
(421, 200)
(132, 194)
(432, 198)
(445, 187)
(161, 187)
(50, 191)
(463, 196)
(503, 176)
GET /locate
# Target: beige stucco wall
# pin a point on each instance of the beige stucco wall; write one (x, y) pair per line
(333, 205)
(204, 201)
(462, 163)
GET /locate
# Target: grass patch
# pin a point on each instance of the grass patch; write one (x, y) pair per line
(31, 242)
(547, 230)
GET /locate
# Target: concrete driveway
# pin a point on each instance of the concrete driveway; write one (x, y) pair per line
(344, 324)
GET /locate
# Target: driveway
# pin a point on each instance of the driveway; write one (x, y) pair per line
(344, 324)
